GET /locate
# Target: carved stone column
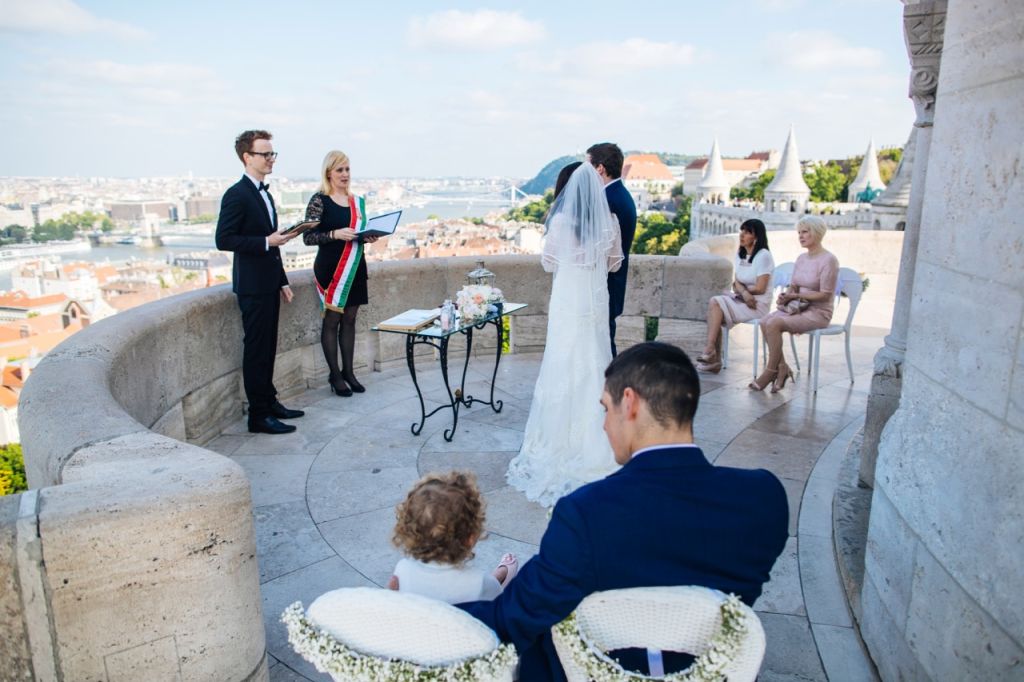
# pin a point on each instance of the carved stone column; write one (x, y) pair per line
(924, 25)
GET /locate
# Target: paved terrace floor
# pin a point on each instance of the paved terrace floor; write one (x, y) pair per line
(324, 496)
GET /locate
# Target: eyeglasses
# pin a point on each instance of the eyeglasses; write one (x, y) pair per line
(269, 156)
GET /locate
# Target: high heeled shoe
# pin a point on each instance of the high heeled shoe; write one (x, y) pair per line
(783, 374)
(712, 366)
(343, 390)
(353, 384)
(761, 383)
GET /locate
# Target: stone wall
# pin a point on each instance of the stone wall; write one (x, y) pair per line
(133, 556)
(942, 595)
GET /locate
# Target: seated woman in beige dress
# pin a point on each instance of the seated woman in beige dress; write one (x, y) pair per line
(751, 295)
(806, 305)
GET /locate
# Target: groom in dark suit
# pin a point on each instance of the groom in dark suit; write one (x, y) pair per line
(667, 517)
(607, 159)
(247, 225)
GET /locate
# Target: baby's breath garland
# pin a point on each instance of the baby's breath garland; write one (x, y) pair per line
(330, 656)
(710, 666)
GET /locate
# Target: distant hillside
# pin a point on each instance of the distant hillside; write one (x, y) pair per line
(545, 179)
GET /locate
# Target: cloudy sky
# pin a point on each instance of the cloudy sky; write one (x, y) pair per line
(129, 88)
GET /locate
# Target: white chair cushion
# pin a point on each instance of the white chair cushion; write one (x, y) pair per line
(389, 624)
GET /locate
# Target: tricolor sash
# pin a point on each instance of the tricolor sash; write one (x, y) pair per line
(336, 294)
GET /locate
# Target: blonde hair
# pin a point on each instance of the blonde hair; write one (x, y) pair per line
(333, 159)
(440, 518)
(815, 224)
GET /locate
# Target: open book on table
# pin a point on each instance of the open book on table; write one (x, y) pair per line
(411, 320)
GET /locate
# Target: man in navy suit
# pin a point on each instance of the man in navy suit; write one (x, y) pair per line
(667, 517)
(247, 225)
(607, 159)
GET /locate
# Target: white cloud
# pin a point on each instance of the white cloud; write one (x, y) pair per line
(603, 59)
(821, 50)
(480, 30)
(65, 17)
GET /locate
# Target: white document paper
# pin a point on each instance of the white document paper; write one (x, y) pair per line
(381, 225)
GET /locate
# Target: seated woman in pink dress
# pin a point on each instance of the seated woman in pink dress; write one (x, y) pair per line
(806, 305)
(751, 296)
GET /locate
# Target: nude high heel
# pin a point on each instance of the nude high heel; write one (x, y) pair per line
(783, 375)
(761, 383)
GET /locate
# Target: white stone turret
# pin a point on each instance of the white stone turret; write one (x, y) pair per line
(867, 176)
(788, 191)
(714, 187)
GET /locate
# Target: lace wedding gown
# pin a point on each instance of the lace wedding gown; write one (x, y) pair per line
(565, 445)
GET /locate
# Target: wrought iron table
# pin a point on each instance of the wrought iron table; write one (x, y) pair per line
(438, 339)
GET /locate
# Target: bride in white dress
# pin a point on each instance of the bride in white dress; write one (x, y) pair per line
(564, 445)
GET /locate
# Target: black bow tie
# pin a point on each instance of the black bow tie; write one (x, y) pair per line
(264, 187)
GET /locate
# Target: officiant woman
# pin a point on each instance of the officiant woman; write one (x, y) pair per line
(340, 267)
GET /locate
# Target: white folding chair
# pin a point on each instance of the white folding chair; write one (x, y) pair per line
(851, 285)
(782, 275)
(681, 618)
(394, 631)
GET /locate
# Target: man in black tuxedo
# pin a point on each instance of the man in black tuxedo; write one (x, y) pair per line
(606, 158)
(248, 226)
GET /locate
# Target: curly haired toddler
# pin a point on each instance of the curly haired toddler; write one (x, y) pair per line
(437, 527)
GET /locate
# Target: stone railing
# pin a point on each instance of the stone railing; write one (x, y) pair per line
(133, 556)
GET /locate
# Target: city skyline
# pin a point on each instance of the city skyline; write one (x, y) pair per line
(106, 89)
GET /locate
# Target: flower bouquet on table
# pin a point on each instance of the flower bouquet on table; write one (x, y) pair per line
(477, 301)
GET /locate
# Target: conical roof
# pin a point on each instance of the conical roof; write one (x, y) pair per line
(867, 175)
(897, 194)
(789, 179)
(714, 172)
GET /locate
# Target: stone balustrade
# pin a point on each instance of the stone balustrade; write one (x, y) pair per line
(133, 556)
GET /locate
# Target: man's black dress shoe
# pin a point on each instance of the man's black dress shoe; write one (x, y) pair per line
(281, 412)
(269, 425)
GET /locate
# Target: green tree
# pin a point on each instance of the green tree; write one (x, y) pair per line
(12, 470)
(756, 189)
(52, 229)
(827, 182)
(14, 233)
(533, 212)
(657, 235)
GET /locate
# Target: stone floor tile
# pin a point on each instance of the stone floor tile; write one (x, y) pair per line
(794, 497)
(513, 415)
(510, 514)
(226, 445)
(306, 440)
(364, 541)
(711, 449)
(790, 651)
(785, 456)
(331, 495)
(303, 585)
(282, 673)
(816, 509)
(276, 478)
(271, 661)
(471, 436)
(842, 654)
(286, 539)
(363, 447)
(803, 421)
(722, 424)
(782, 593)
(488, 466)
(823, 588)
